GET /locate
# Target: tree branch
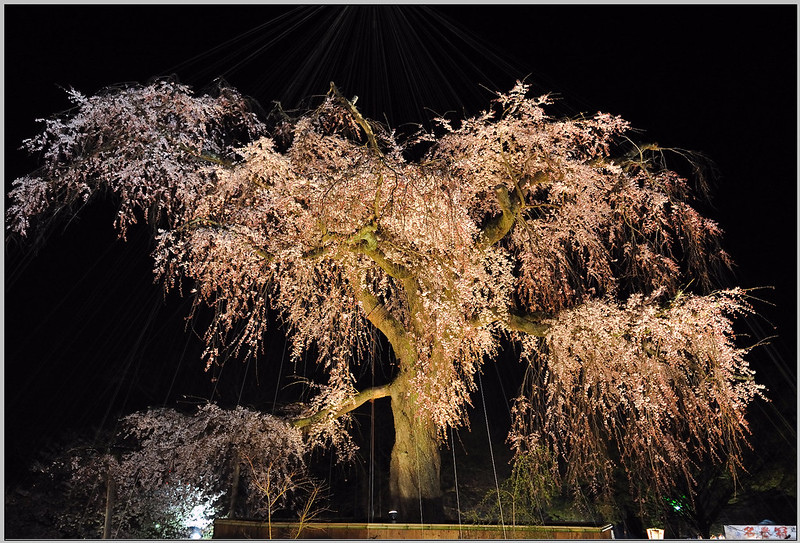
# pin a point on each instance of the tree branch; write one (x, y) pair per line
(371, 139)
(510, 204)
(356, 401)
(531, 324)
(497, 227)
(363, 242)
(362, 122)
(397, 271)
(384, 321)
(208, 158)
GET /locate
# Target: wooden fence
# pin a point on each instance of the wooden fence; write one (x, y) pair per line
(247, 529)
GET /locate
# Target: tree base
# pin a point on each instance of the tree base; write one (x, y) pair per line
(415, 468)
(420, 511)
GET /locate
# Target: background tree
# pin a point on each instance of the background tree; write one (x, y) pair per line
(167, 474)
(512, 228)
(255, 460)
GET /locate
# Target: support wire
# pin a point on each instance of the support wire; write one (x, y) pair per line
(491, 454)
(455, 476)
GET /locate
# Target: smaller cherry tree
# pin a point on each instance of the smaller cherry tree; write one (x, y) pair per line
(218, 451)
(170, 474)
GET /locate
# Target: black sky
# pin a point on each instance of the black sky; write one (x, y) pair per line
(87, 334)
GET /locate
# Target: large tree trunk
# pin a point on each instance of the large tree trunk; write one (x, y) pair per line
(414, 472)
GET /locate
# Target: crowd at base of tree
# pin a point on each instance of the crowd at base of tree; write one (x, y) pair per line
(557, 238)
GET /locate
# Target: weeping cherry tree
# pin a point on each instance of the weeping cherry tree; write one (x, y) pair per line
(512, 229)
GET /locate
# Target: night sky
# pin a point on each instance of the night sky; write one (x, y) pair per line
(88, 336)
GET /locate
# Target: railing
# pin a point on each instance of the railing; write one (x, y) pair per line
(248, 529)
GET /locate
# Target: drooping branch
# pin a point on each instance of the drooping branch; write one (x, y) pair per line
(209, 223)
(372, 142)
(355, 402)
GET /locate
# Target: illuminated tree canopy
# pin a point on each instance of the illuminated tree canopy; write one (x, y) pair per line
(512, 228)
